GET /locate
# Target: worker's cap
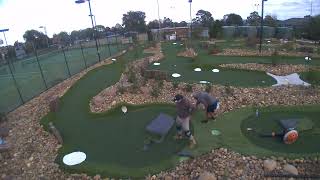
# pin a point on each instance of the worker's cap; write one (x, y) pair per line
(177, 97)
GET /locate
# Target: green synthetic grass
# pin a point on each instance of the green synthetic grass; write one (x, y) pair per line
(233, 126)
(185, 67)
(113, 141)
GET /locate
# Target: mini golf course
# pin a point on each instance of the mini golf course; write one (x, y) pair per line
(113, 142)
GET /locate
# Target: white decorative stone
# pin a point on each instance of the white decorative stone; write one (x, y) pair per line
(197, 69)
(215, 70)
(176, 75)
(74, 158)
(124, 109)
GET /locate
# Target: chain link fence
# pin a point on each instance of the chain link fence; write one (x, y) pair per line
(23, 79)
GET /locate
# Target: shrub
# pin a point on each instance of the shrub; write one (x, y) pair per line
(155, 92)
(305, 49)
(251, 42)
(132, 78)
(214, 49)
(228, 90)
(275, 58)
(175, 84)
(188, 87)
(208, 88)
(121, 89)
(3, 117)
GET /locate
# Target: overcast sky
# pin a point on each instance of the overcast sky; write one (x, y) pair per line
(65, 15)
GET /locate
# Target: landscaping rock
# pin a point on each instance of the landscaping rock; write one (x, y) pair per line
(290, 169)
(207, 176)
(269, 165)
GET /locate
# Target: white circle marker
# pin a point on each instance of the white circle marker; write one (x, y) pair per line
(181, 44)
(74, 158)
(269, 41)
(197, 69)
(215, 70)
(204, 82)
(124, 109)
(306, 58)
(113, 59)
(176, 75)
(156, 64)
(174, 43)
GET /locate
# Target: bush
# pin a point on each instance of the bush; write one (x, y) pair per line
(121, 89)
(188, 87)
(305, 49)
(228, 90)
(275, 58)
(214, 49)
(251, 42)
(155, 92)
(3, 117)
(208, 88)
(132, 78)
(175, 84)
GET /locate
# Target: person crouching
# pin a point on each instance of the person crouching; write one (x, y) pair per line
(184, 112)
(210, 103)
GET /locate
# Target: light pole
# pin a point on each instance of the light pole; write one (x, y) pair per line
(159, 21)
(190, 30)
(45, 31)
(261, 27)
(95, 27)
(94, 32)
(174, 25)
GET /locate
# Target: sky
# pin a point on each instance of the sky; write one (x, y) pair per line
(66, 15)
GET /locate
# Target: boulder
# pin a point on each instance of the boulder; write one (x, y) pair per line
(269, 165)
(207, 176)
(290, 169)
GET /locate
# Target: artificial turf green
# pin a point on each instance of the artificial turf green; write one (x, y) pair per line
(227, 76)
(113, 141)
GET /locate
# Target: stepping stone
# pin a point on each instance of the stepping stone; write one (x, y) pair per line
(197, 69)
(215, 70)
(156, 64)
(176, 75)
(292, 79)
(74, 158)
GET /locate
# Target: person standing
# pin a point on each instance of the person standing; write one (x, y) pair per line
(184, 112)
(210, 103)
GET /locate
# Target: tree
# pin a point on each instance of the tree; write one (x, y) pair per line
(100, 30)
(62, 38)
(38, 38)
(270, 21)
(204, 18)
(153, 24)
(254, 19)
(167, 22)
(215, 29)
(134, 21)
(313, 28)
(117, 29)
(233, 20)
(182, 24)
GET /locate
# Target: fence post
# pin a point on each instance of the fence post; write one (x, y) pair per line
(108, 45)
(41, 72)
(117, 43)
(65, 59)
(84, 59)
(16, 84)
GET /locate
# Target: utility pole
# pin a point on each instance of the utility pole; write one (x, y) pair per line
(190, 28)
(261, 27)
(159, 33)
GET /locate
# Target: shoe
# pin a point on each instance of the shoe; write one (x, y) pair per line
(177, 137)
(205, 121)
(193, 143)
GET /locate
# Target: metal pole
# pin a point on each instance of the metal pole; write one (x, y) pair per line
(190, 30)
(159, 31)
(94, 31)
(109, 46)
(45, 31)
(84, 59)
(41, 72)
(261, 26)
(65, 59)
(117, 43)
(9, 61)
(16, 85)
